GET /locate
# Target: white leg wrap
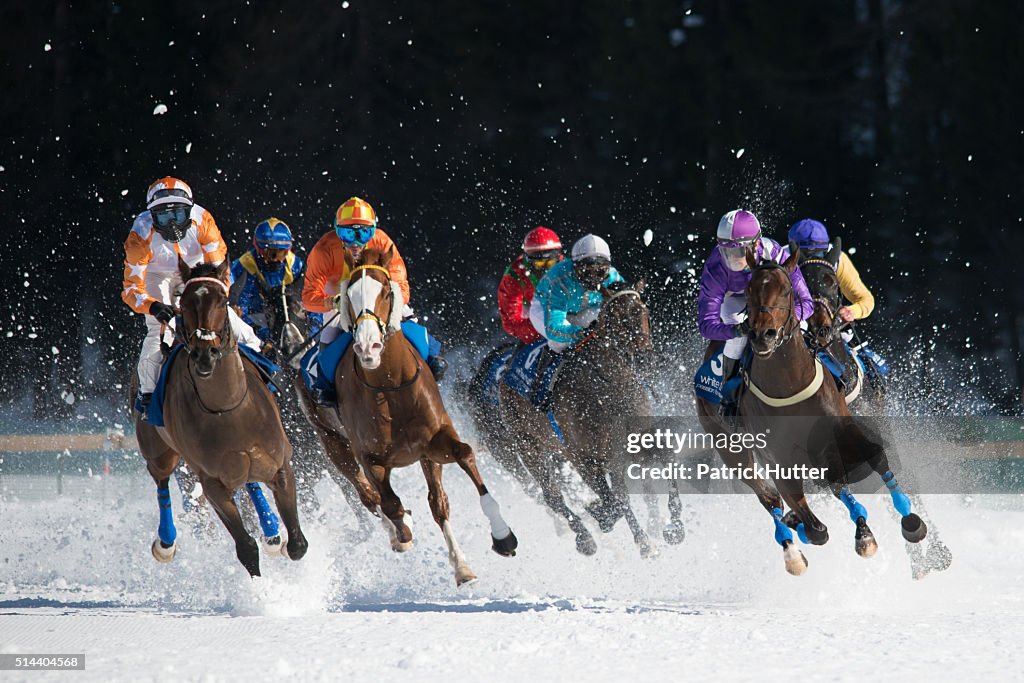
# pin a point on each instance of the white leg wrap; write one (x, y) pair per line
(455, 555)
(499, 529)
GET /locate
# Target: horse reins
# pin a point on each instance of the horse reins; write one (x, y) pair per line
(786, 331)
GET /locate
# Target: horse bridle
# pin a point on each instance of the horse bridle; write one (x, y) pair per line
(786, 330)
(366, 313)
(831, 308)
(227, 340)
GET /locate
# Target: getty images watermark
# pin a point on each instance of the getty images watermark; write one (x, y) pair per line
(675, 443)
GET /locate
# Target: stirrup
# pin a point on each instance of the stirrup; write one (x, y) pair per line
(438, 366)
(324, 397)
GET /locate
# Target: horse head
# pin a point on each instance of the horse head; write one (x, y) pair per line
(206, 328)
(820, 273)
(624, 319)
(286, 320)
(372, 303)
(770, 302)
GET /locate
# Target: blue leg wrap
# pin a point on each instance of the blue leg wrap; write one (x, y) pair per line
(856, 509)
(166, 531)
(900, 500)
(782, 532)
(801, 533)
(268, 520)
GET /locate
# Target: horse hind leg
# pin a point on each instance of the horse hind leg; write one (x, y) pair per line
(445, 445)
(164, 547)
(222, 500)
(438, 500)
(640, 537)
(674, 532)
(391, 510)
(913, 527)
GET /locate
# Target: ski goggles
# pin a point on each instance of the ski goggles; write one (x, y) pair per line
(542, 260)
(355, 234)
(734, 249)
(170, 214)
(274, 254)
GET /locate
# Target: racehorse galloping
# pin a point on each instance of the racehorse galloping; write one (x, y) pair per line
(221, 418)
(823, 334)
(392, 414)
(786, 381)
(287, 322)
(597, 387)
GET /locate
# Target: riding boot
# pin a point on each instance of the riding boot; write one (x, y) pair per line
(325, 395)
(729, 406)
(435, 361)
(144, 400)
(546, 356)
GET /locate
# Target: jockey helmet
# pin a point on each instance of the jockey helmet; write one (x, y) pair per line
(810, 234)
(592, 259)
(738, 231)
(169, 201)
(355, 222)
(273, 240)
(542, 248)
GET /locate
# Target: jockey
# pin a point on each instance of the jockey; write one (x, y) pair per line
(172, 225)
(541, 250)
(355, 229)
(813, 240)
(270, 264)
(722, 300)
(567, 299)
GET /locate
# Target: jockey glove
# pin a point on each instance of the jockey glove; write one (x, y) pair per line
(161, 311)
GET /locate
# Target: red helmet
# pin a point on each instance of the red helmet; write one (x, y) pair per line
(541, 239)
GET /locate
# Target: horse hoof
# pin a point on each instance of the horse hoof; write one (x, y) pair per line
(648, 551)
(914, 528)
(605, 519)
(464, 576)
(585, 544)
(505, 547)
(295, 550)
(162, 553)
(796, 563)
(866, 546)
(274, 547)
(400, 547)
(674, 533)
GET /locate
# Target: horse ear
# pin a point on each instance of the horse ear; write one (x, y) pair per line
(640, 285)
(388, 255)
(837, 249)
(222, 271)
(751, 259)
(183, 269)
(794, 256)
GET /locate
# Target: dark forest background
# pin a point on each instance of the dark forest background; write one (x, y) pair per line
(897, 123)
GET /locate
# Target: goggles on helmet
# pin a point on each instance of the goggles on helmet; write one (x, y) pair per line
(351, 234)
(170, 214)
(734, 249)
(543, 260)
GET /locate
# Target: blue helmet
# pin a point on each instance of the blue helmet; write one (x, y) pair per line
(809, 234)
(272, 234)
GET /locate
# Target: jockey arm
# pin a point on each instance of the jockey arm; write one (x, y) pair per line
(214, 249)
(709, 307)
(862, 302)
(565, 293)
(802, 301)
(326, 266)
(137, 254)
(514, 297)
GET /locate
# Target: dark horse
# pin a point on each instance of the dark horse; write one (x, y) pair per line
(222, 419)
(286, 319)
(390, 414)
(599, 384)
(786, 381)
(824, 329)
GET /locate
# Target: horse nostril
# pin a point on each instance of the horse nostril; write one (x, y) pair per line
(376, 346)
(770, 333)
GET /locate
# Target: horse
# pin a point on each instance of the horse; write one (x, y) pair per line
(390, 414)
(785, 380)
(599, 383)
(823, 334)
(221, 418)
(285, 317)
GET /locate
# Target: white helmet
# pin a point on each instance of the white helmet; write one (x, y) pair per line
(591, 246)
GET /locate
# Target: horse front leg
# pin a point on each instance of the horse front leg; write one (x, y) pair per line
(647, 549)
(446, 445)
(674, 532)
(223, 502)
(438, 500)
(283, 487)
(864, 540)
(548, 475)
(160, 469)
(391, 511)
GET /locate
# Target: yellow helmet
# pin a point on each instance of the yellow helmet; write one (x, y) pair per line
(355, 212)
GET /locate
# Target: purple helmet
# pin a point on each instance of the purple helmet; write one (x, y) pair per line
(738, 226)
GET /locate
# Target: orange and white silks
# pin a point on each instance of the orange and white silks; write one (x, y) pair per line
(326, 269)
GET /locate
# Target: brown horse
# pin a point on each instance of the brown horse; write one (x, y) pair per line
(222, 419)
(786, 381)
(390, 415)
(599, 384)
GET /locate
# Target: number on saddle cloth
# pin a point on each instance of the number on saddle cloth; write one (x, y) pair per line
(707, 382)
(522, 368)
